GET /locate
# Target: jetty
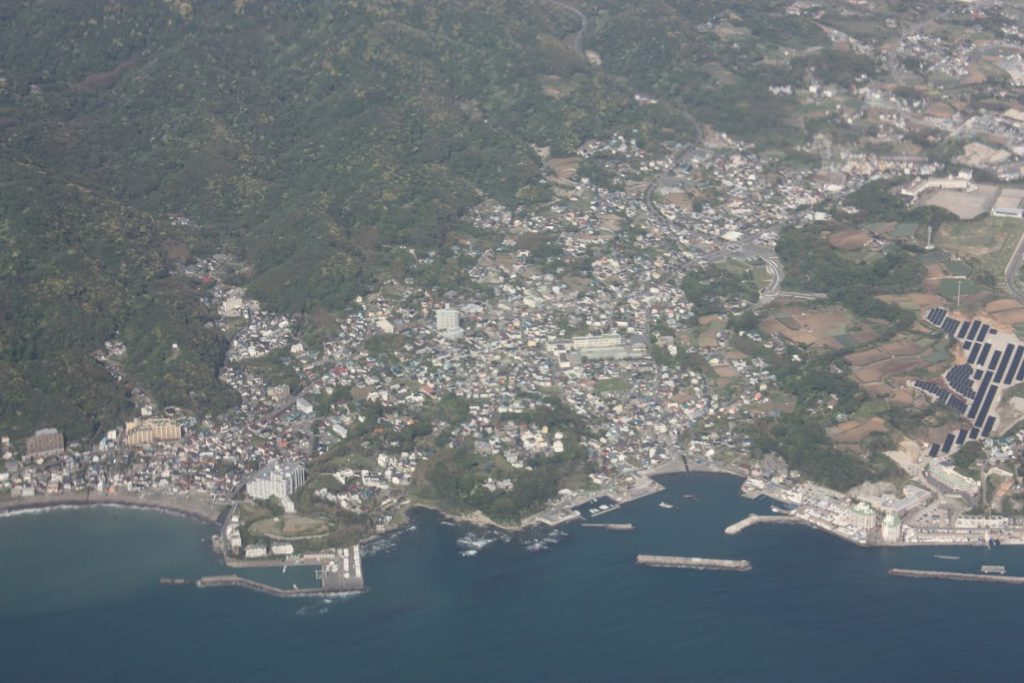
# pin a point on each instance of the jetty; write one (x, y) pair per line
(610, 527)
(702, 563)
(174, 582)
(751, 520)
(956, 576)
(242, 582)
(340, 572)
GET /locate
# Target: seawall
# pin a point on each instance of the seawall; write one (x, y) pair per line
(956, 576)
(693, 563)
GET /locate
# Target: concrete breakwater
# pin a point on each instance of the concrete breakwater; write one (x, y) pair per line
(956, 576)
(609, 527)
(751, 520)
(693, 563)
(241, 582)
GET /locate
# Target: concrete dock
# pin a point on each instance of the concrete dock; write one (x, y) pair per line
(609, 527)
(956, 576)
(341, 571)
(751, 520)
(242, 582)
(702, 563)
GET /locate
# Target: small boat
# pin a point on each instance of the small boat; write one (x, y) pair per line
(468, 553)
(665, 506)
(946, 557)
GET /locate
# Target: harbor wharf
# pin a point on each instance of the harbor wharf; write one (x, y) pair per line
(241, 582)
(751, 520)
(610, 527)
(693, 563)
(956, 576)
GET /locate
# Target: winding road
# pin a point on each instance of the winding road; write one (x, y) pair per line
(577, 38)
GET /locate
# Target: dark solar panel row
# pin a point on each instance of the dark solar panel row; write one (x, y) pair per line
(959, 378)
(960, 437)
(983, 413)
(966, 345)
(984, 353)
(977, 373)
(1004, 362)
(948, 443)
(994, 360)
(982, 390)
(988, 426)
(949, 327)
(1011, 371)
(962, 332)
(934, 450)
(936, 315)
(982, 332)
(942, 395)
(971, 333)
(973, 356)
(974, 432)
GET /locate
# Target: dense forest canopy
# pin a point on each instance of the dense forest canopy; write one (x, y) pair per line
(316, 141)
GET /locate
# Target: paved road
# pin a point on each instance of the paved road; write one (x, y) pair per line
(1012, 273)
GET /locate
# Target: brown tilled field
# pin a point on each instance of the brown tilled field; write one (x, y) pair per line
(1007, 312)
(855, 431)
(916, 299)
(849, 239)
(816, 327)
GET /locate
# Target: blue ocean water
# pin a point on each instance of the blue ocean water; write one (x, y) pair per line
(80, 601)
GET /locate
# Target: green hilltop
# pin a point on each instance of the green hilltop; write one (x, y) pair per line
(315, 141)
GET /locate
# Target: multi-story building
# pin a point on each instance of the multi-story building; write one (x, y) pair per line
(892, 528)
(45, 442)
(279, 479)
(142, 432)
(862, 516)
(953, 480)
(447, 322)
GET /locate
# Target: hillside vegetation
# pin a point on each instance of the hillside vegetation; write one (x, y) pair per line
(315, 141)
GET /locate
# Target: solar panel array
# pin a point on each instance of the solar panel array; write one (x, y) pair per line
(942, 395)
(959, 379)
(1001, 367)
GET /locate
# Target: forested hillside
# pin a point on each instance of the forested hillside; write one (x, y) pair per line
(315, 141)
(310, 139)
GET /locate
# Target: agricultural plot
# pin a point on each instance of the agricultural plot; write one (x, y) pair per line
(831, 327)
(990, 241)
(886, 368)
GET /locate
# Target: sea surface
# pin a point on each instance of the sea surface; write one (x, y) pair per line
(80, 601)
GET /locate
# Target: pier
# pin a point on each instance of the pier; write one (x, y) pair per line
(956, 576)
(610, 527)
(267, 589)
(751, 520)
(340, 572)
(702, 563)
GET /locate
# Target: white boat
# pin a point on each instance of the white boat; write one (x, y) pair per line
(666, 506)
